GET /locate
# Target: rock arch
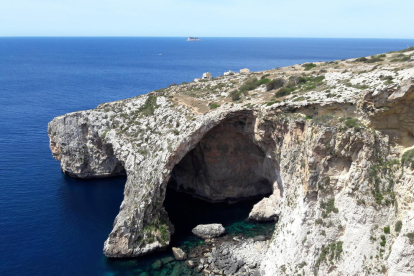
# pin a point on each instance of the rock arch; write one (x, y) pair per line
(225, 164)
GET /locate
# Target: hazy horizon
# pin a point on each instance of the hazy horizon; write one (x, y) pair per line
(225, 18)
(201, 37)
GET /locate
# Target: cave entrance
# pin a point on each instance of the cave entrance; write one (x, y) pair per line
(225, 167)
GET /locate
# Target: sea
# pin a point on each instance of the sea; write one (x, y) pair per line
(51, 224)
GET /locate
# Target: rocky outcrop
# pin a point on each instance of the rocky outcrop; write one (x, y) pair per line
(208, 231)
(241, 258)
(75, 142)
(327, 155)
(265, 210)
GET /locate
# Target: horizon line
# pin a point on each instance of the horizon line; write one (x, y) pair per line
(126, 36)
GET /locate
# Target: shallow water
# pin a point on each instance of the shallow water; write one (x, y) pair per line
(186, 212)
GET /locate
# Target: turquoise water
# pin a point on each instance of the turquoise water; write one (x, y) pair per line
(53, 225)
(187, 212)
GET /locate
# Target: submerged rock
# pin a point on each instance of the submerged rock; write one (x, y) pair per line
(177, 270)
(179, 254)
(208, 231)
(167, 260)
(156, 265)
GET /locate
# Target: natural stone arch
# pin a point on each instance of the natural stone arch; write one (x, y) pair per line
(225, 164)
(230, 162)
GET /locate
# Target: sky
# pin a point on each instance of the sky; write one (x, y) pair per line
(209, 18)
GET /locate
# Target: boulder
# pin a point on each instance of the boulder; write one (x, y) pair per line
(179, 254)
(190, 263)
(265, 210)
(208, 231)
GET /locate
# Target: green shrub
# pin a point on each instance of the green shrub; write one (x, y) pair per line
(213, 105)
(235, 95)
(263, 81)
(387, 230)
(275, 84)
(302, 264)
(249, 84)
(398, 226)
(410, 236)
(149, 106)
(408, 158)
(252, 84)
(338, 249)
(383, 241)
(352, 123)
(308, 83)
(370, 60)
(317, 79)
(301, 80)
(309, 66)
(332, 251)
(284, 91)
(374, 59)
(328, 206)
(361, 59)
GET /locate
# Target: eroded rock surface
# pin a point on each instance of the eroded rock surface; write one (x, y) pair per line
(329, 153)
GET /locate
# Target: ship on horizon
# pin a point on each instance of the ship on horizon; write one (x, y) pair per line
(192, 38)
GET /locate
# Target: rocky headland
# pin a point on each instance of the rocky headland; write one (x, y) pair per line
(329, 146)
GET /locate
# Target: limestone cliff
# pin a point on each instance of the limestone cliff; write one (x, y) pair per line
(324, 140)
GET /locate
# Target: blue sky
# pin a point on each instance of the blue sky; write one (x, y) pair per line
(209, 18)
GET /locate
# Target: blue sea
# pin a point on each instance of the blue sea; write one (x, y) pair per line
(51, 224)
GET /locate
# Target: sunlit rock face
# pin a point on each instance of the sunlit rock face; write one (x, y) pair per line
(225, 164)
(330, 154)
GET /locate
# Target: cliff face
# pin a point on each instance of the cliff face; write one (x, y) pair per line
(328, 154)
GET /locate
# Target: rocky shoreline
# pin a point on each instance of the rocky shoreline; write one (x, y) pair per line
(228, 254)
